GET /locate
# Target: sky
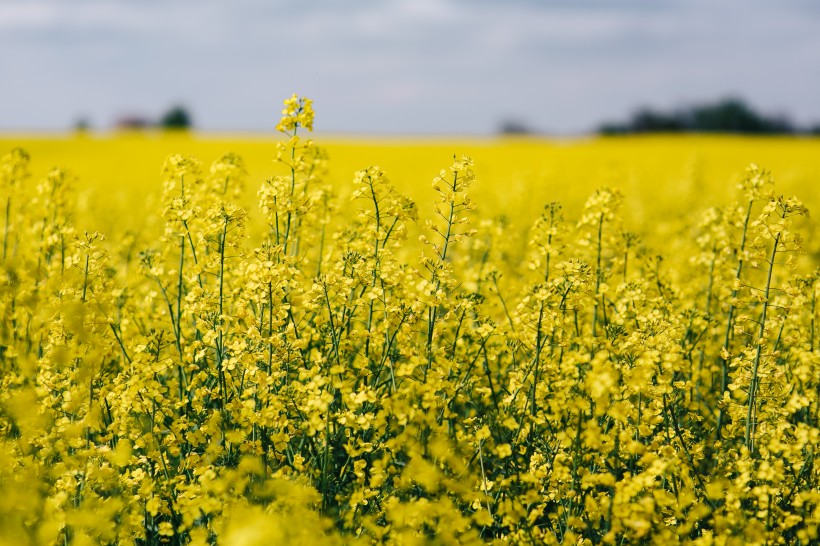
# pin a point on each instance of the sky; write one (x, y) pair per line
(402, 66)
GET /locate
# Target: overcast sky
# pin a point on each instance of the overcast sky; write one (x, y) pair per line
(402, 66)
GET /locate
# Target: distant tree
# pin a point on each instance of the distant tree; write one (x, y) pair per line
(514, 127)
(730, 115)
(132, 122)
(734, 116)
(176, 118)
(82, 125)
(651, 121)
(612, 128)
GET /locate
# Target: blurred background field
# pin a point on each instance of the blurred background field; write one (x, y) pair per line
(664, 178)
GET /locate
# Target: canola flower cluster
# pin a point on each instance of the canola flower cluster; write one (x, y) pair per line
(330, 384)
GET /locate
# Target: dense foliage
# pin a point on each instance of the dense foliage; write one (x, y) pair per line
(725, 116)
(336, 382)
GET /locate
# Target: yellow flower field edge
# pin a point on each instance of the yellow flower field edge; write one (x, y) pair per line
(331, 383)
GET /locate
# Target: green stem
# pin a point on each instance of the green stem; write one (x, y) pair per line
(180, 286)
(6, 229)
(724, 382)
(85, 279)
(220, 342)
(750, 410)
(432, 313)
(598, 275)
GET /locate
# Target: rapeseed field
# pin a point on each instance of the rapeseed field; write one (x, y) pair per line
(607, 341)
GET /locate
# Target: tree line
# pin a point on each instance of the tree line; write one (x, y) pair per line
(731, 115)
